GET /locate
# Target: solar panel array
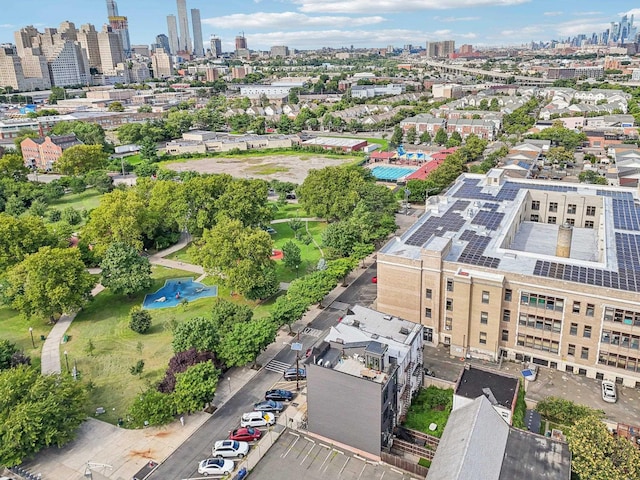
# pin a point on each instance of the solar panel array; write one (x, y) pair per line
(620, 195)
(508, 191)
(626, 215)
(473, 253)
(450, 221)
(489, 219)
(628, 251)
(623, 280)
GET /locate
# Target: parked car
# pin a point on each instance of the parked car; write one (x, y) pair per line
(230, 448)
(290, 374)
(374, 279)
(609, 391)
(278, 395)
(215, 466)
(245, 434)
(257, 419)
(268, 406)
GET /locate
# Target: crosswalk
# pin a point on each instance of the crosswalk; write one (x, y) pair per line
(276, 366)
(313, 332)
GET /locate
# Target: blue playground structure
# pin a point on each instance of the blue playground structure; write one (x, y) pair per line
(176, 290)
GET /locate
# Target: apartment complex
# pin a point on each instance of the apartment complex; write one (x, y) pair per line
(441, 49)
(361, 378)
(528, 270)
(42, 153)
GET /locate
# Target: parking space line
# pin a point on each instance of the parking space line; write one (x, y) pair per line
(344, 466)
(292, 445)
(319, 451)
(382, 476)
(312, 447)
(328, 464)
(362, 471)
(325, 459)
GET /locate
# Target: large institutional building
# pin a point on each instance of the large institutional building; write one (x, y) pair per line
(535, 271)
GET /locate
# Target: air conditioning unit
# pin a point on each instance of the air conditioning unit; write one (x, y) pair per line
(447, 327)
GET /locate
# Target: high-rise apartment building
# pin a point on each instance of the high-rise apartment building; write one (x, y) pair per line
(441, 49)
(68, 64)
(172, 30)
(279, 51)
(111, 51)
(241, 43)
(120, 25)
(24, 38)
(35, 69)
(162, 41)
(67, 31)
(198, 47)
(162, 64)
(183, 23)
(11, 70)
(88, 38)
(216, 46)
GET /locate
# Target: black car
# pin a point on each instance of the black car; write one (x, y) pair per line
(279, 395)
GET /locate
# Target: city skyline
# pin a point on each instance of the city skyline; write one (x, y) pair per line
(307, 24)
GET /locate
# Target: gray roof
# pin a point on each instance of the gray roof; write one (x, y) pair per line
(474, 381)
(472, 445)
(533, 457)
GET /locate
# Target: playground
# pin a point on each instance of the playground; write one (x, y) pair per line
(175, 291)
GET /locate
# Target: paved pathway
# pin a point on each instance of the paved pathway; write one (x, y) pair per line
(304, 219)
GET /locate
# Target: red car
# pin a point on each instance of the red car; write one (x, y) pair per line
(374, 280)
(245, 434)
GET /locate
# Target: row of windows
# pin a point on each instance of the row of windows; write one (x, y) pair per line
(542, 301)
(584, 351)
(537, 343)
(540, 323)
(622, 316)
(569, 221)
(624, 340)
(619, 361)
(571, 208)
(586, 332)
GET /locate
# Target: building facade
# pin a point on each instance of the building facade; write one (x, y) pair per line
(162, 64)
(198, 47)
(172, 30)
(528, 270)
(43, 153)
(184, 42)
(216, 47)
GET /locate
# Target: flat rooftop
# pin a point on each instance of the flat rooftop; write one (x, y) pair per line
(476, 216)
(529, 456)
(474, 382)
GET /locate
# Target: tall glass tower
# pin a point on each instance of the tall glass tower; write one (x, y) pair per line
(198, 47)
(120, 25)
(183, 23)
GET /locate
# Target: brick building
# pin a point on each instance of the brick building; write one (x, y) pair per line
(42, 153)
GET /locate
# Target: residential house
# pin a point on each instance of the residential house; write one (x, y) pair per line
(424, 123)
(485, 129)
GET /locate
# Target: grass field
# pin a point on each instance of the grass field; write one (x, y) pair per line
(88, 200)
(15, 328)
(289, 210)
(432, 405)
(309, 253)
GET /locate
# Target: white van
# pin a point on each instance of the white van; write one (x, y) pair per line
(257, 419)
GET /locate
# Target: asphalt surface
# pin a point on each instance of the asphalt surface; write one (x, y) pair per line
(183, 463)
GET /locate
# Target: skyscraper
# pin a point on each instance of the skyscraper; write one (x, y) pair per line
(163, 42)
(198, 49)
(172, 26)
(111, 54)
(183, 22)
(216, 46)
(120, 25)
(241, 42)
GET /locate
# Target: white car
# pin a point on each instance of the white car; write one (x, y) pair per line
(213, 466)
(230, 448)
(609, 391)
(257, 419)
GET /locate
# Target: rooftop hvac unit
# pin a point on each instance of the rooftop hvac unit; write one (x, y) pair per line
(327, 364)
(404, 331)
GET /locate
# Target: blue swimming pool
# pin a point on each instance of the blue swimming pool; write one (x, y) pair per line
(176, 290)
(391, 174)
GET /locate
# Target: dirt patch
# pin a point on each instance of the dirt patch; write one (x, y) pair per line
(146, 454)
(288, 168)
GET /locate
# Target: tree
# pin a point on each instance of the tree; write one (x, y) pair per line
(288, 309)
(71, 216)
(77, 184)
(81, 159)
(396, 137)
(137, 369)
(455, 140)
(20, 237)
(591, 176)
(425, 137)
(246, 341)
(152, 408)
(145, 109)
(312, 288)
(195, 387)
(38, 208)
(88, 133)
(37, 411)
(11, 356)
(411, 135)
(226, 314)
(340, 237)
(341, 267)
(48, 283)
(180, 362)
(139, 320)
(246, 200)
(291, 252)
(441, 137)
(565, 412)
(12, 166)
(361, 251)
(148, 150)
(197, 333)
(99, 179)
(559, 155)
(115, 107)
(124, 271)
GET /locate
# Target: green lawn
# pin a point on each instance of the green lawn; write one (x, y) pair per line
(309, 253)
(88, 200)
(15, 328)
(289, 210)
(181, 255)
(432, 405)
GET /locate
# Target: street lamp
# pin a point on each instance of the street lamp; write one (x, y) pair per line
(32, 341)
(297, 270)
(229, 380)
(66, 359)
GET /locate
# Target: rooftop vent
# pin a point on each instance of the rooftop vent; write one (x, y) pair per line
(375, 335)
(340, 340)
(387, 317)
(356, 323)
(404, 331)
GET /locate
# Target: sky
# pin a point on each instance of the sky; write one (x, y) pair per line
(308, 24)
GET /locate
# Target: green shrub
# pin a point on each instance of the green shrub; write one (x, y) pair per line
(140, 320)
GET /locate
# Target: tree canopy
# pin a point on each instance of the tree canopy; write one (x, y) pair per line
(81, 159)
(124, 271)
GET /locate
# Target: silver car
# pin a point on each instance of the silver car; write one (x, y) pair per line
(609, 391)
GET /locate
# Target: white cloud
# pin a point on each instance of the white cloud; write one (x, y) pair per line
(525, 32)
(552, 14)
(582, 26)
(587, 14)
(456, 19)
(393, 6)
(345, 38)
(267, 21)
(633, 11)
(7, 25)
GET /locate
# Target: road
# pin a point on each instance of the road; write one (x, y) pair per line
(183, 463)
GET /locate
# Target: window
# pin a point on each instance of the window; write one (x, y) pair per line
(506, 315)
(571, 209)
(483, 338)
(591, 211)
(586, 333)
(551, 220)
(505, 335)
(448, 321)
(535, 205)
(584, 353)
(570, 221)
(571, 350)
(534, 218)
(588, 224)
(485, 296)
(553, 206)
(576, 307)
(484, 318)
(574, 329)
(428, 293)
(590, 309)
(507, 295)
(449, 285)
(427, 312)
(449, 304)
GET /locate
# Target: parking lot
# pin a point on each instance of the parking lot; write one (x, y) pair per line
(295, 456)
